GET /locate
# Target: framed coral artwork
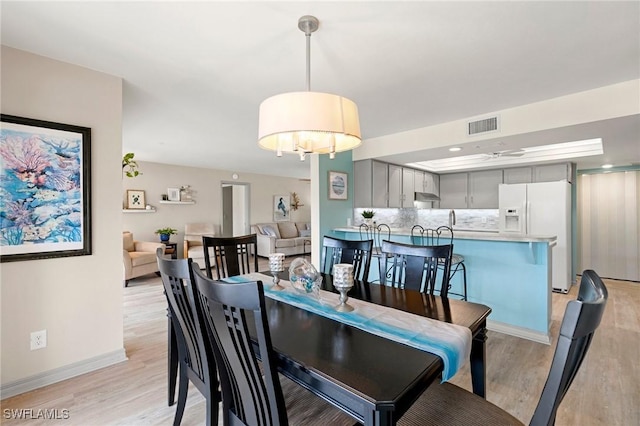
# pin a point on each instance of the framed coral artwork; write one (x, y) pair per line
(45, 181)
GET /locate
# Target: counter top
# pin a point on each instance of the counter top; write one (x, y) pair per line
(473, 235)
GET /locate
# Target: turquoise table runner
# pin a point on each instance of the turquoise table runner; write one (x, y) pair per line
(450, 342)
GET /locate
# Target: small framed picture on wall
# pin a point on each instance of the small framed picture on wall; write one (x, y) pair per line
(135, 199)
(173, 194)
(338, 189)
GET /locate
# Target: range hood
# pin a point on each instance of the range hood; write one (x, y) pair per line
(425, 196)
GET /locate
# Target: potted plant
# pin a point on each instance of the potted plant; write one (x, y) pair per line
(129, 165)
(166, 233)
(368, 215)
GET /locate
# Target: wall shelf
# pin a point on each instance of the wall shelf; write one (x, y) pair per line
(176, 202)
(138, 210)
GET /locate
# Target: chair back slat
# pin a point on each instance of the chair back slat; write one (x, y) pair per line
(357, 253)
(581, 319)
(231, 255)
(249, 397)
(415, 267)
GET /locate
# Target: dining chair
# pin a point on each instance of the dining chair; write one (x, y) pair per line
(377, 233)
(231, 255)
(442, 235)
(447, 404)
(195, 358)
(252, 395)
(355, 252)
(416, 267)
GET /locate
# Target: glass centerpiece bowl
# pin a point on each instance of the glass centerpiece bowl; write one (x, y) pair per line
(304, 277)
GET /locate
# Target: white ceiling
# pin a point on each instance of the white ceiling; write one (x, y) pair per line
(195, 72)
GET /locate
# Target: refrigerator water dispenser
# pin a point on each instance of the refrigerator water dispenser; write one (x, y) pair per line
(512, 220)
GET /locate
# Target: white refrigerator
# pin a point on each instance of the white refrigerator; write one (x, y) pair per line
(542, 209)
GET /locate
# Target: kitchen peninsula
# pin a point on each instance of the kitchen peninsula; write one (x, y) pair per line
(509, 273)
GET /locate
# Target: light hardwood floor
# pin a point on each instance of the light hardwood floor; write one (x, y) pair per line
(605, 392)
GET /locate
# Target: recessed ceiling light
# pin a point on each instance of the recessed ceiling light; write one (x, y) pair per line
(607, 166)
(455, 149)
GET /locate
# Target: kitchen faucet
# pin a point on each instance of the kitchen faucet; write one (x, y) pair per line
(452, 218)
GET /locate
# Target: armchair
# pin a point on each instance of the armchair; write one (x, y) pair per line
(193, 233)
(138, 257)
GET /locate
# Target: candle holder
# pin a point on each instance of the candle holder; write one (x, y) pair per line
(276, 265)
(343, 282)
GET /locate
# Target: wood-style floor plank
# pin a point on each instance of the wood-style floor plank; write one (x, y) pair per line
(605, 392)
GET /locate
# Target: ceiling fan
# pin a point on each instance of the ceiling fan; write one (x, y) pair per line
(505, 153)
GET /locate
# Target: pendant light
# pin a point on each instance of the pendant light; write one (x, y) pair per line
(308, 122)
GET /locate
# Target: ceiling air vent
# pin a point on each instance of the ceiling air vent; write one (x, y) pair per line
(482, 126)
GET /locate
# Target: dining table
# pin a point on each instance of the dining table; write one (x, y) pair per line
(370, 377)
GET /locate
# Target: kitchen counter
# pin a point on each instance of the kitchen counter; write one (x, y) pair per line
(510, 273)
(472, 235)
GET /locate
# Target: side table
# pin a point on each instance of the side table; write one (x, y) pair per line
(171, 248)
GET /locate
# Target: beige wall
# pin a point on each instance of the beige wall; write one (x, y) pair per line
(206, 185)
(78, 300)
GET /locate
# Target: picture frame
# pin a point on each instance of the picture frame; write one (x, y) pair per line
(136, 199)
(281, 208)
(173, 194)
(338, 185)
(45, 181)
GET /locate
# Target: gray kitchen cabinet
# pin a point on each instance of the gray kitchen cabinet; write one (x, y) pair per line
(553, 172)
(474, 190)
(518, 175)
(395, 186)
(370, 184)
(454, 190)
(426, 182)
(408, 186)
(483, 189)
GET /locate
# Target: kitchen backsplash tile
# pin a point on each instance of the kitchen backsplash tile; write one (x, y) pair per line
(480, 219)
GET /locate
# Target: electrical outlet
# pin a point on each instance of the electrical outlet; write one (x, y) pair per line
(484, 220)
(38, 339)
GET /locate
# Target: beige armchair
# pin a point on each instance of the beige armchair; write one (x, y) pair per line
(193, 233)
(138, 257)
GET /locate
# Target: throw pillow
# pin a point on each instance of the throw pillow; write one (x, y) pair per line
(305, 232)
(269, 231)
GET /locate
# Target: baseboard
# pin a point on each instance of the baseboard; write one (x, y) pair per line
(62, 373)
(523, 333)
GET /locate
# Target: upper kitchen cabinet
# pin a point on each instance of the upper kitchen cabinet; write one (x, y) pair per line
(518, 175)
(553, 172)
(426, 182)
(454, 191)
(370, 180)
(395, 186)
(474, 190)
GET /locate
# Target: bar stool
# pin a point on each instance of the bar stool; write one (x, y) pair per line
(429, 237)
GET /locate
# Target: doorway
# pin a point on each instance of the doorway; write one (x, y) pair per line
(235, 208)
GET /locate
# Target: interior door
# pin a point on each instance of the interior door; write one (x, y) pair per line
(235, 209)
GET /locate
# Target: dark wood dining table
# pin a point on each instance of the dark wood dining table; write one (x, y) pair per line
(372, 378)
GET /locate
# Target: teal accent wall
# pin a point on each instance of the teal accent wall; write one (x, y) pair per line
(334, 213)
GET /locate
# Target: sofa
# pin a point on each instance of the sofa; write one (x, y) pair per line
(290, 238)
(193, 233)
(138, 257)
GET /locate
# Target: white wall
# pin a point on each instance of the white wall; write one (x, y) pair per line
(78, 300)
(206, 185)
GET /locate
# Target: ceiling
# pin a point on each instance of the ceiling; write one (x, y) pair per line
(195, 72)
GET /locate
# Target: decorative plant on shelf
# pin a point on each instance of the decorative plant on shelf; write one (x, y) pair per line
(129, 165)
(166, 233)
(295, 201)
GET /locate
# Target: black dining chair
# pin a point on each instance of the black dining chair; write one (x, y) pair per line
(416, 267)
(252, 395)
(447, 404)
(231, 255)
(355, 252)
(195, 358)
(377, 233)
(442, 235)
